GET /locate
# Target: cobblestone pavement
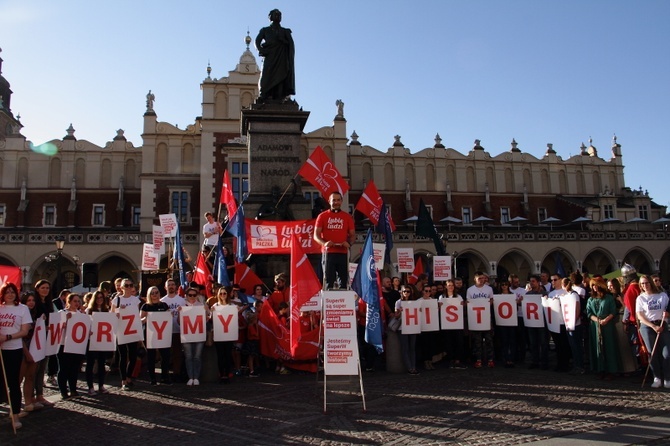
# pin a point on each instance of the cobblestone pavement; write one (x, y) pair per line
(445, 406)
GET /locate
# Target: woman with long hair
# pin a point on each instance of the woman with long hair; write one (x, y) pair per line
(154, 304)
(127, 352)
(16, 323)
(44, 306)
(28, 365)
(407, 341)
(97, 303)
(224, 349)
(652, 311)
(601, 311)
(193, 350)
(69, 363)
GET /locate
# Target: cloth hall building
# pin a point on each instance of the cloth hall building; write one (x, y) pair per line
(505, 213)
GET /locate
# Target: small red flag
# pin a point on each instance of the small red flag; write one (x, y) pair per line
(246, 278)
(418, 270)
(227, 196)
(323, 174)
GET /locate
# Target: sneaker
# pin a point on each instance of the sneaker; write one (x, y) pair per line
(92, 392)
(666, 383)
(45, 403)
(74, 394)
(126, 387)
(23, 413)
(166, 382)
(29, 407)
(38, 405)
(189, 382)
(491, 364)
(413, 372)
(284, 371)
(657, 383)
(255, 374)
(52, 381)
(153, 382)
(458, 365)
(102, 390)
(196, 382)
(478, 364)
(17, 424)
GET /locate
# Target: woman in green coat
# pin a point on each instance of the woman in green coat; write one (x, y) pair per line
(601, 310)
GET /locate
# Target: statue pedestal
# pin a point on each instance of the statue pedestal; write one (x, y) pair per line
(273, 132)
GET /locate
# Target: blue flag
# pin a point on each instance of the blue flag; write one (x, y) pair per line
(365, 285)
(178, 258)
(384, 227)
(220, 266)
(237, 228)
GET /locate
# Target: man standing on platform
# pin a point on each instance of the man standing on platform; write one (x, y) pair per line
(335, 232)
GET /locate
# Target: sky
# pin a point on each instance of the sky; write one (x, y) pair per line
(539, 71)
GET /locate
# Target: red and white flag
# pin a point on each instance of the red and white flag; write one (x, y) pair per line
(227, 196)
(10, 274)
(418, 270)
(246, 278)
(322, 174)
(370, 203)
(202, 274)
(304, 285)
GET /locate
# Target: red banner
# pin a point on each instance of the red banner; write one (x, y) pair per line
(13, 274)
(274, 237)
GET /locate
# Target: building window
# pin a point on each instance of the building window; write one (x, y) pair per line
(466, 215)
(179, 205)
(541, 214)
(49, 215)
(2, 214)
(137, 212)
(504, 215)
(311, 197)
(98, 215)
(643, 211)
(240, 179)
(608, 211)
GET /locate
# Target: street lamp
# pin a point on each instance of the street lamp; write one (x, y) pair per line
(60, 244)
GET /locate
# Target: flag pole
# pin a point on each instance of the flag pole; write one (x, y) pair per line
(286, 190)
(9, 399)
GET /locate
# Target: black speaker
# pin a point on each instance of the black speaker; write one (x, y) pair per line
(89, 272)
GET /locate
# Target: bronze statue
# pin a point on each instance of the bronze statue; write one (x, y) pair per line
(275, 45)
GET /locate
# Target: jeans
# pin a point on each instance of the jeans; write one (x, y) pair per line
(193, 358)
(660, 361)
(539, 346)
(408, 349)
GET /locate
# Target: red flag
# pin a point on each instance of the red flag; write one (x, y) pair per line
(10, 274)
(323, 174)
(418, 270)
(227, 196)
(245, 277)
(370, 203)
(304, 285)
(202, 275)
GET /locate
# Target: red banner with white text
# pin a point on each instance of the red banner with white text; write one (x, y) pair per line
(13, 274)
(274, 237)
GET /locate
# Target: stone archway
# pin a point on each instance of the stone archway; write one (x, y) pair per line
(641, 260)
(467, 263)
(599, 261)
(559, 261)
(514, 262)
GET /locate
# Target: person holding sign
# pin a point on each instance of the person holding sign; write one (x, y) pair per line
(482, 339)
(127, 352)
(97, 304)
(28, 365)
(334, 230)
(154, 304)
(15, 324)
(224, 349)
(538, 337)
(44, 307)
(407, 341)
(193, 350)
(652, 310)
(68, 363)
(571, 306)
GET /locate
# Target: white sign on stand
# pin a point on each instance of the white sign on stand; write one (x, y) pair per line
(340, 341)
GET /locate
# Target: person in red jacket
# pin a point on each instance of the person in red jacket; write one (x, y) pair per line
(334, 230)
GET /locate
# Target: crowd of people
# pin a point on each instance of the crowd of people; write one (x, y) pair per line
(620, 322)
